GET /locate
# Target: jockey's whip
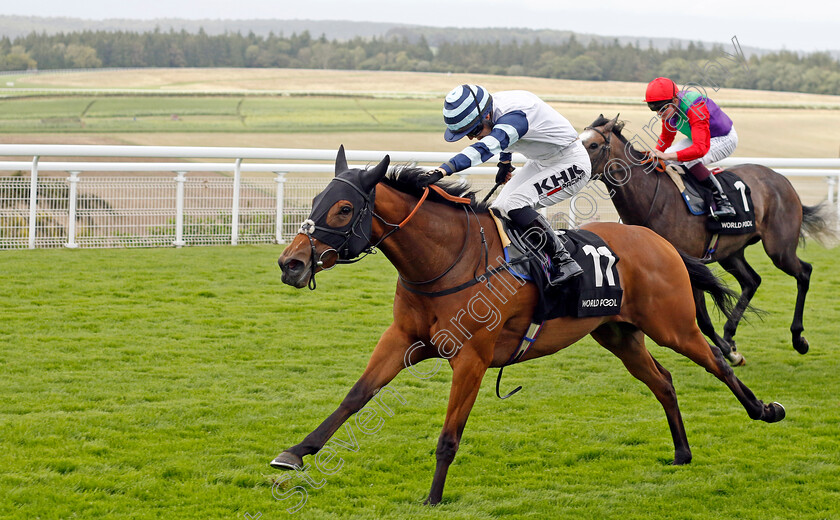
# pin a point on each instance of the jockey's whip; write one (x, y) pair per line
(491, 193)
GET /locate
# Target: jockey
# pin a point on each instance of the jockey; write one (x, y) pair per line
(557, 166)
(710, 135)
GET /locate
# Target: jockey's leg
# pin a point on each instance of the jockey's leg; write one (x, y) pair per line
(723, 206)
(539, 233)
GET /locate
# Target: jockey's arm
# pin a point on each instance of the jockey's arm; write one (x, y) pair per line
(506, 130)
(698, 119)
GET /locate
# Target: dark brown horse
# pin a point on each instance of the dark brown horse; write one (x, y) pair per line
(654, 201)
(438, 248)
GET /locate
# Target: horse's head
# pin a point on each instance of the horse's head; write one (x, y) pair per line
(597, 139)
(338, 228)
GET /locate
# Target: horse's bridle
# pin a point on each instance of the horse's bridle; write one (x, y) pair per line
(603, 154)
(355, 230)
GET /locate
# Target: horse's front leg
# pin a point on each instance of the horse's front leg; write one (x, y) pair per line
(385, 363)
(467, 372)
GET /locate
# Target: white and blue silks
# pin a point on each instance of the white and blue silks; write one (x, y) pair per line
(557, 166)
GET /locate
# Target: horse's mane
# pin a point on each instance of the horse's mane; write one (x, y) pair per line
(404, 178)
(636, 155)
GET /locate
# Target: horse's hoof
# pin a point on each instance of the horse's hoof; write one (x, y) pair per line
(778, 412)
(736, 359)
(801, 345)
(288, 461)
(681, 462)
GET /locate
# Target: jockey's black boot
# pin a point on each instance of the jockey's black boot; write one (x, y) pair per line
(542, 236)
(724, 207)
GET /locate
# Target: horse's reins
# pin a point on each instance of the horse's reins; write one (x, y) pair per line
(465, 204)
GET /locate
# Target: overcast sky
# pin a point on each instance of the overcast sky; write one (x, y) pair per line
(808, 25)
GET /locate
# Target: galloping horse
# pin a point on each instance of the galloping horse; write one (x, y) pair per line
(441, 252)
(782, 222)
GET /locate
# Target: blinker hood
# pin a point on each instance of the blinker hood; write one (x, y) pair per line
(357, 187)
(350, 240)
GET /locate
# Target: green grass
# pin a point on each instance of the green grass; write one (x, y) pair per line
(159, 383)
(216, 114)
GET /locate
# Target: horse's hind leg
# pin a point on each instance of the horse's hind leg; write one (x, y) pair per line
(705, 323)
(628, 344)
(749, 281)
(385, 363)
(687, 339)
(784, 257)
(803, 282)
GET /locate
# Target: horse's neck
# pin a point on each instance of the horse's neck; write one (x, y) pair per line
(634, 197)
(429, 243)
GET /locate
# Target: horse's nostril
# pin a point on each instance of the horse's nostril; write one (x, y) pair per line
(291, 265)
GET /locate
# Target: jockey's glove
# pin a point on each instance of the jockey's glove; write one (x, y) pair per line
(505, 168)
(431, 177)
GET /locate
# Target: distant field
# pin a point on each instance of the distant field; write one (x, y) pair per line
(406, 83)
(347, 111)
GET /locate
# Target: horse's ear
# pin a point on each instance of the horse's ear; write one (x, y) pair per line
(371, 177)
(340, 161)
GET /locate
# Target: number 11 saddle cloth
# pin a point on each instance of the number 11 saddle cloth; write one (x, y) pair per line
(597, 292)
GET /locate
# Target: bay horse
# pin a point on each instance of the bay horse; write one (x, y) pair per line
(782, 223)
(443, 253)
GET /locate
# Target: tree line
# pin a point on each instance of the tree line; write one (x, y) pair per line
(788, 71)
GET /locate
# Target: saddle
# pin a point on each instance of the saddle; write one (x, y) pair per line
(597, 292)
(699, 200)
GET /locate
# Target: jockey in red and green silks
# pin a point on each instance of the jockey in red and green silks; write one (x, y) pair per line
(710, 134)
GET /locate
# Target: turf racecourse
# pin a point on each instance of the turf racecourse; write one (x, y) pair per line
(159, 383)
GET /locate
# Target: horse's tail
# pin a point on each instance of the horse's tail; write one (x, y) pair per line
(704, 280)
(820, 223)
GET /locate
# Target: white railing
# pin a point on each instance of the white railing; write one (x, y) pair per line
(123, 211)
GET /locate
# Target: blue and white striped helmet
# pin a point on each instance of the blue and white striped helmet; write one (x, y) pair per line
(463, 109)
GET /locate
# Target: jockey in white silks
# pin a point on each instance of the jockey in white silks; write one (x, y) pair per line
(557, 165)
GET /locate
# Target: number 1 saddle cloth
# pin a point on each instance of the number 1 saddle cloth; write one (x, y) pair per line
(699, 200)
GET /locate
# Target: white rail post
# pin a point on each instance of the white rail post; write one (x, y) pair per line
(73, 180)
(281, 181)
(234, 213)
(33, 201)
(180, 179)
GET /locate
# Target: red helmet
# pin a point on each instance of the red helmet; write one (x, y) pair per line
(660, 89)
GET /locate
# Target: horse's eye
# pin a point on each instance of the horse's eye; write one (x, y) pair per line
(346, 210)
(593, 145)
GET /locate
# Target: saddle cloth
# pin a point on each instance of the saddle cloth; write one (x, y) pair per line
(699, 199)
(597, 292)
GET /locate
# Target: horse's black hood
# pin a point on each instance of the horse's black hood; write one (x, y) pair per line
(357, 187)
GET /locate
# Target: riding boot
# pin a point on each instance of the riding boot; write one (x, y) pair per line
(563, 267)
(724, 207)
